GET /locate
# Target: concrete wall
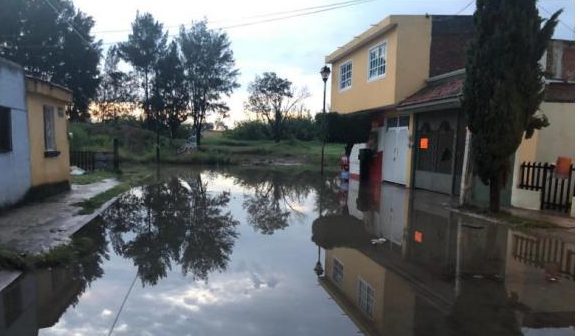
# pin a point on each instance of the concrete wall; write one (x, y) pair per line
(14, 165)
(407, 66)
(553, 141)
(546, 145)
(47, 170)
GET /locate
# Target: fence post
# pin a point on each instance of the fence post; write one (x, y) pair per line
(543, 187)
(116, 154)
(522, 170)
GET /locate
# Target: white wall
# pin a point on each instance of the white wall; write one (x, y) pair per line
(14, 165)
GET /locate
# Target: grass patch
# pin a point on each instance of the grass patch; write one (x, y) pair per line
(69, 254)
(138, 146)
(128, 178)
(93, 177)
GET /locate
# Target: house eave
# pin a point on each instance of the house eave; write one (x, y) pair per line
(358, 42)
(439, 104)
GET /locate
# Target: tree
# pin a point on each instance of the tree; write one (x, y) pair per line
(504, 87)
(209, 70)
(170, 94)
(143, 50)
(53, 41)
(273, 99)
(117, 90)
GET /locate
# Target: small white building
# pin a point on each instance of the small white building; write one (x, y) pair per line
(14, 139)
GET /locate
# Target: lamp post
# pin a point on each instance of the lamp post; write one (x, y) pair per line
(324, 73)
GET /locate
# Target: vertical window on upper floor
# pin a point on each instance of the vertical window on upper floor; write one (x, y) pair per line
(5, 130)
(377, 61)
(345, 75)
(49, 129)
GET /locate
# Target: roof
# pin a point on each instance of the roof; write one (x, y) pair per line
(48, 89)
(377, 29)
(443, 89)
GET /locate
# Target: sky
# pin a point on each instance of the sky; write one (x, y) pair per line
(294, 47)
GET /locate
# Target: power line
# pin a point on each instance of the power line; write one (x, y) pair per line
(329, 7)
(250, 17)
(69, 23)
(464, 8)
(122, 306)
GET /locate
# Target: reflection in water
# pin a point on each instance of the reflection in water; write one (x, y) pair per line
(176, 222)
(277, 195)
(438, 273)
(225, 253)
(37, 300)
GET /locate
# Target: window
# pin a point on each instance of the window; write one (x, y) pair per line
(337, 271)
(345, 75)
(5, 130)
(366, 297)
(377, 64)
(49, 133)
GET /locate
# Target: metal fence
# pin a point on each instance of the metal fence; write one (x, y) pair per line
(91, 160)
(539, 252)
(556, 190)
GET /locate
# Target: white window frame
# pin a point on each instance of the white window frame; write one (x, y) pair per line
(49, 111)
(370, 50)
(362, 304)
(340, 88)
(334, 262)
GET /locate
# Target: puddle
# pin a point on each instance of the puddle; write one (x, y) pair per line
(237, 251)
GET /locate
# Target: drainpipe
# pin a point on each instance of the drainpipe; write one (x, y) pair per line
(466, 171)
(454, 157)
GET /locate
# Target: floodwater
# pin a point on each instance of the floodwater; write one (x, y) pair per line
(262, 252)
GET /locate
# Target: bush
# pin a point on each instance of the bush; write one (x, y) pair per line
(299, 128)
(346, 128)
(250, 130)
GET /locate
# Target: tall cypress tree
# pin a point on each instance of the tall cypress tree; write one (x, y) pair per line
(504, 85)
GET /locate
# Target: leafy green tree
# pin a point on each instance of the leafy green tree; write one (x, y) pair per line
(143, 50)
(52, 40)
(117, 90)
(273, 99)
(170, 94)
(504, 86)
(209, 69)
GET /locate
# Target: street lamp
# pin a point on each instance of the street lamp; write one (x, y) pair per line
(324, 73)
(318, 267)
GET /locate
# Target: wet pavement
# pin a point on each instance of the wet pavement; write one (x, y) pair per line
(259, 252)
(37, 227)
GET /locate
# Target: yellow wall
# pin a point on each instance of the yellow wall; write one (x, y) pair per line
(394, 299)
(553, 141)
(407, 67)
(47, 170)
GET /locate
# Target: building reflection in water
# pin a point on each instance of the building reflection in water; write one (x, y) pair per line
(36, 300)
(438, 273)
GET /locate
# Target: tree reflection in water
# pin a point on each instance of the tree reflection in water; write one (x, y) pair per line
(176, 222)
(275, 195)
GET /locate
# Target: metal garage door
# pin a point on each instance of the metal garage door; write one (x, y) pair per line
(434, 150)
(395, 149)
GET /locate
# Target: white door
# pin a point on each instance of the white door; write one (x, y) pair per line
(396, 141)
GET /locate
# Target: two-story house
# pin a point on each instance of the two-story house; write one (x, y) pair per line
(407, 71)
(389, 63)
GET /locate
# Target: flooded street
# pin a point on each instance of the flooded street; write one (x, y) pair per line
(267, 252)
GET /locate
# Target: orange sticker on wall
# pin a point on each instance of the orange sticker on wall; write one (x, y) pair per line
(418, 236)
(424, 143)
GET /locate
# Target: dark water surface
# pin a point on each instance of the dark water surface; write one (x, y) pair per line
(235, 252)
